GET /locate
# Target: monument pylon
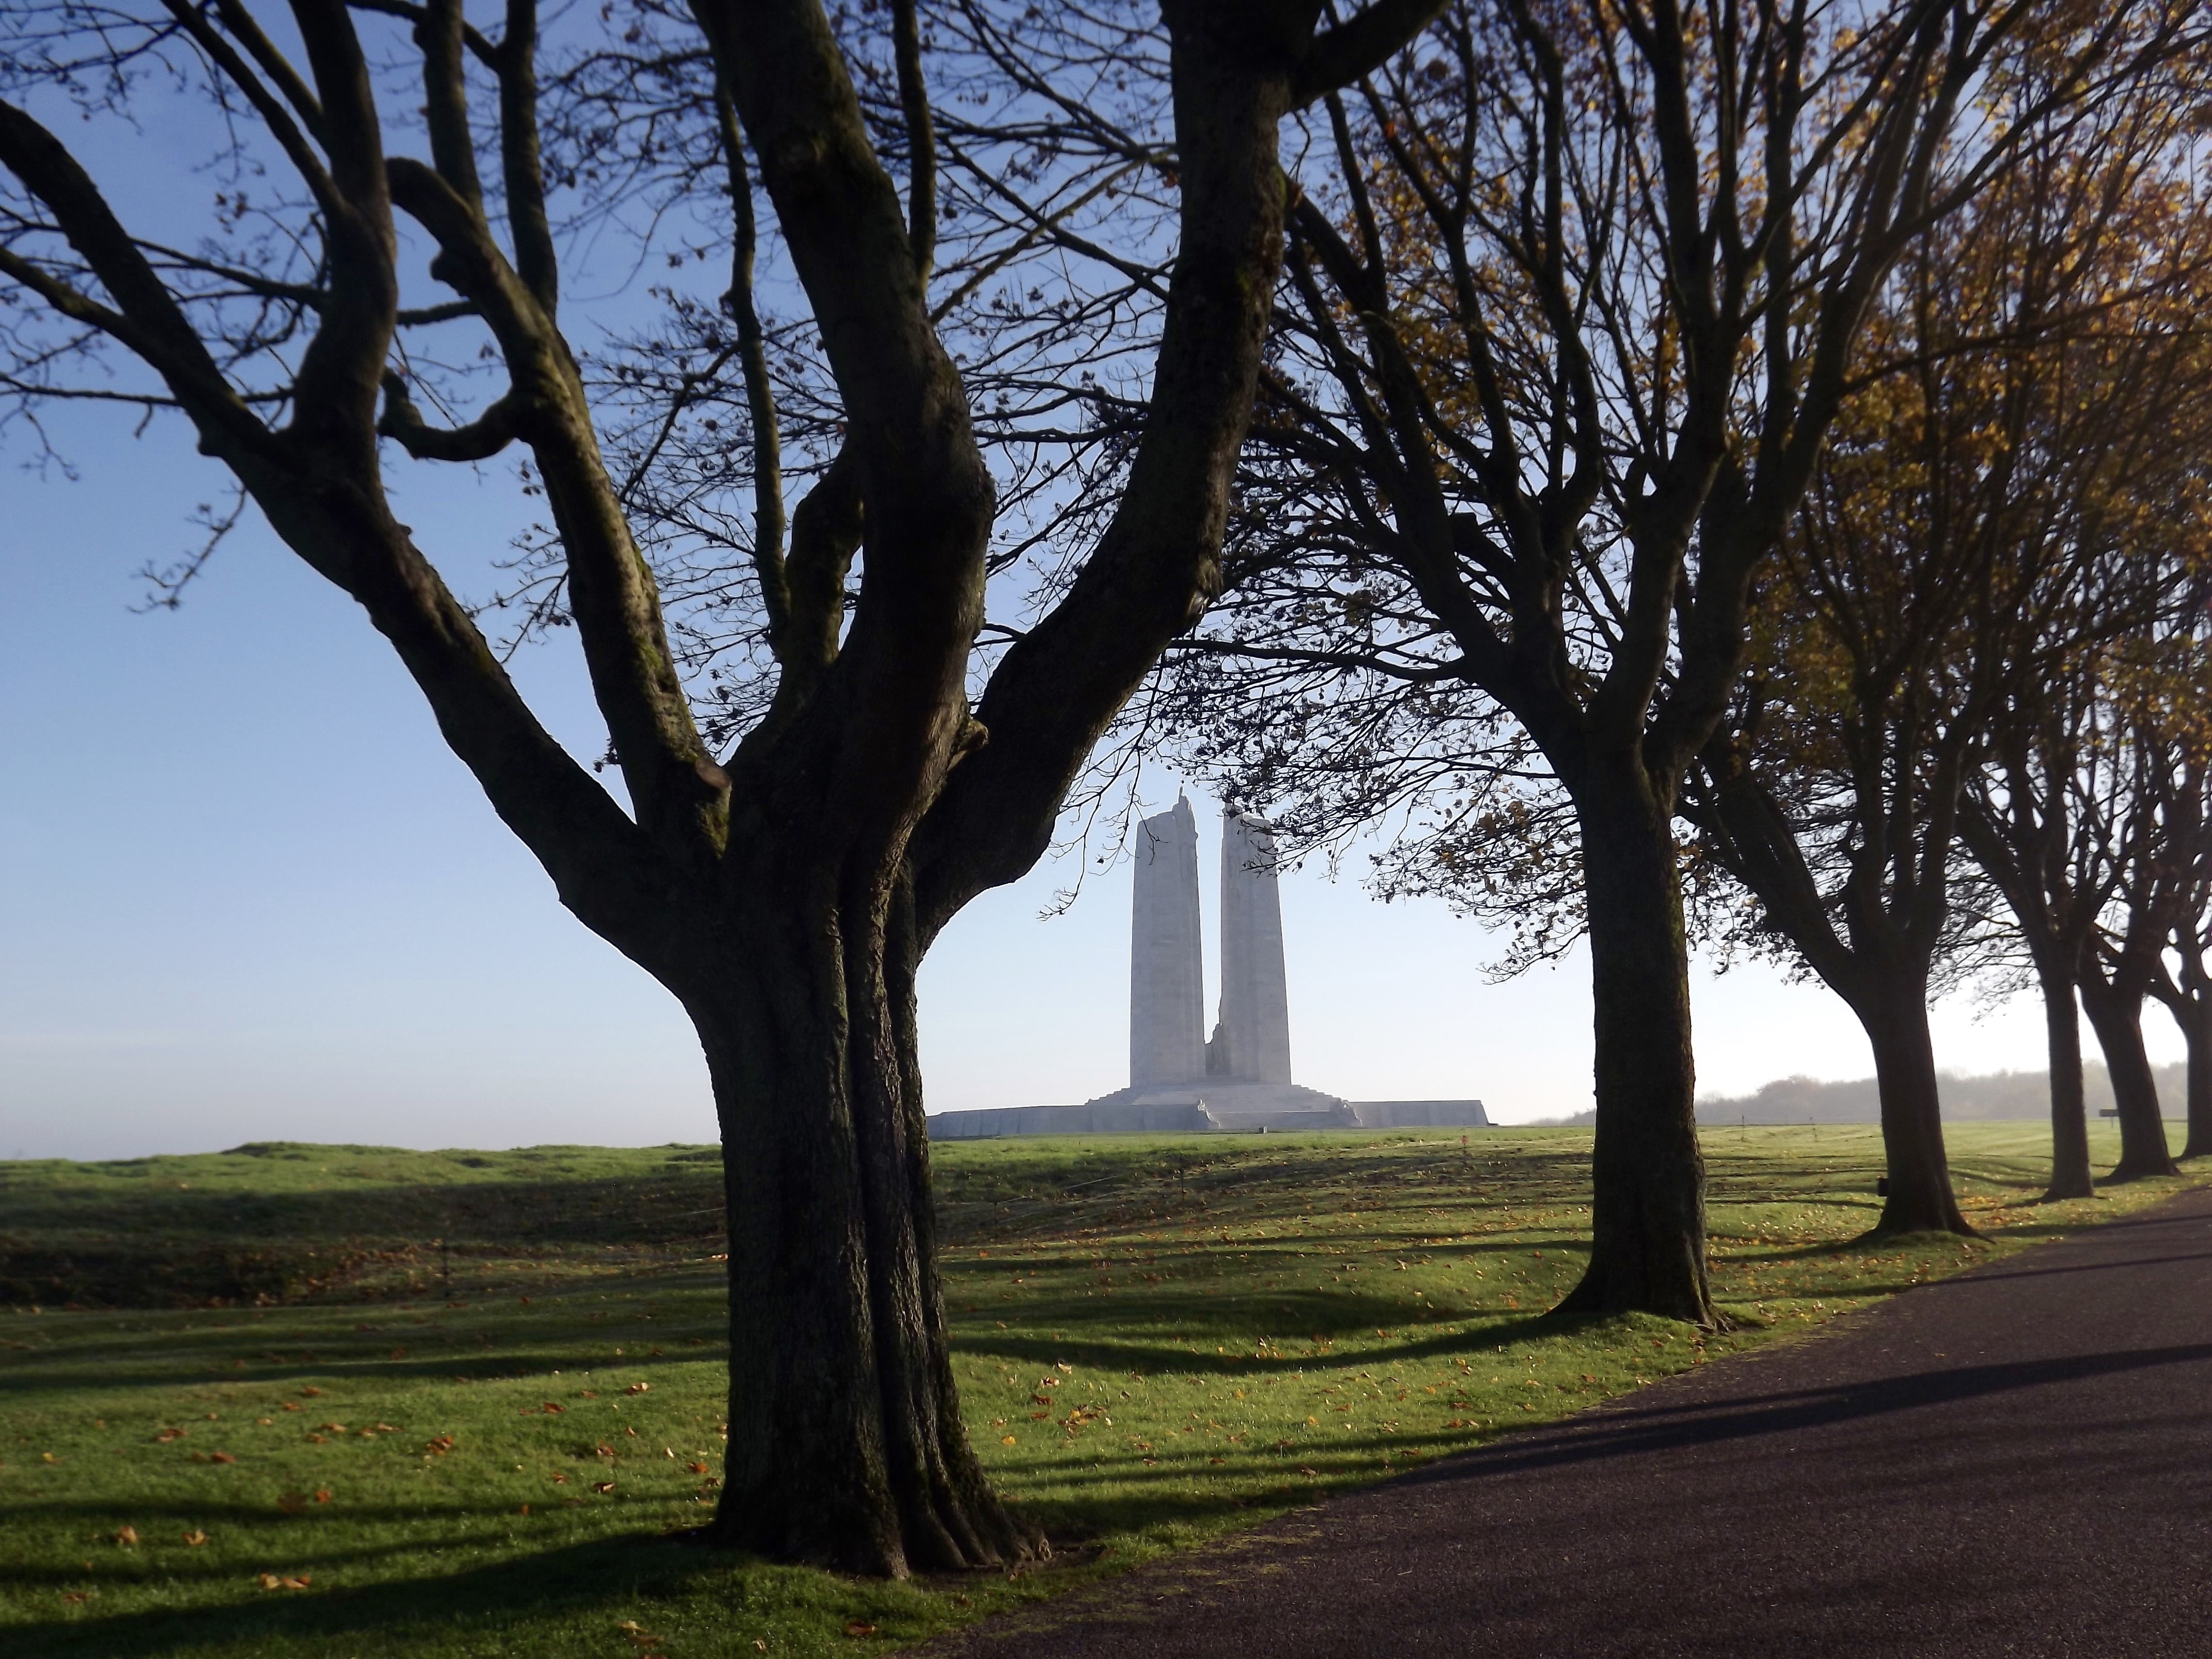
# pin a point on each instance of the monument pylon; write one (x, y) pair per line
(1167, 987)
(1252, 1040)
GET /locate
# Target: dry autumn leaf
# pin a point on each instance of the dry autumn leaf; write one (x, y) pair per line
(127, 1536)
(196, 1538)
(602, 1486)
(322, 1494)
(859, 1628)
(638, 1388)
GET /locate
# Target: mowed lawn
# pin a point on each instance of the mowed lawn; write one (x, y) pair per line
(484, 1390)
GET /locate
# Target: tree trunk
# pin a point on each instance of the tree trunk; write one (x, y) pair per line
(2070, 1174)
(1892, 1005)
(2115, 1015)
(846, 1445)
(1647, 1176)
(2195, 1018)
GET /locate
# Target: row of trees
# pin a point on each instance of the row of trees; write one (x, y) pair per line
(1516, 385)
(1973, 621)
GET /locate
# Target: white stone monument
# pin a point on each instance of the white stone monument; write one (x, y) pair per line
(1178, 1080)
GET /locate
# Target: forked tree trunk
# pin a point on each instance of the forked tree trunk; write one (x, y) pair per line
(1648, 1177)
(2070, 1175)
(846, 1444)
(1892, 1004)
(2116, 1015)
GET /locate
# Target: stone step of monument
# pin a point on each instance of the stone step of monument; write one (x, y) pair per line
(1252, 1120)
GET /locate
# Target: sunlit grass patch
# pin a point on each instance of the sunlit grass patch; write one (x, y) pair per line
(486, 1444)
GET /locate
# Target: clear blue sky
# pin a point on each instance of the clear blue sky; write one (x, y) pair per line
(248, 895)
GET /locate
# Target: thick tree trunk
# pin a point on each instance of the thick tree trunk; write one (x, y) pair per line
(2195, 1018)
(1892, 1005)
(2116, 1015)
(2070, 1175)
(1647, 1176)
(846, 1444)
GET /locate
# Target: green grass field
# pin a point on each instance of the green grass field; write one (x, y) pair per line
(481, 1388)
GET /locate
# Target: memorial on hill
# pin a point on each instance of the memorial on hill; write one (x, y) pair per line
(1237, 1078)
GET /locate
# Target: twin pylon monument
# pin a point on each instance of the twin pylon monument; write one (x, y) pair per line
(1180, 1077)
(1244, 1068)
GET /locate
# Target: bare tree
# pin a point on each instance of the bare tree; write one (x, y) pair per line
(1975, 530)
(1575, 291)
(782, 887)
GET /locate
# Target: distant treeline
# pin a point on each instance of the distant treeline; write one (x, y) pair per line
(1965, 1099)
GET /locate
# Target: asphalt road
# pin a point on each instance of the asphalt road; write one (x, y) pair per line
(2017, 1461)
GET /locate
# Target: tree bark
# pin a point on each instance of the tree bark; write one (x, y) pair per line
(2196, 1022)
(2115, 1015)
(2070, 1174)
(1648, 1211)
(845, 1444)
(1892, 1004)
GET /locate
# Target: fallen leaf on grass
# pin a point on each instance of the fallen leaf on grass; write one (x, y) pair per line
(552, 1409)
(128, 1536)
(440, 1444)
(859, 1628)
(223, 1457)
(76, 1598)
(524, 1510)
(638, 1388)
(196, 1538)
(602, 1486)
(322, 1494)
(292, 1503)
(167, 1435)
(311, 1393)
(291, 1405)
(700, 1468)
(1006, 1440)
(560, 1479)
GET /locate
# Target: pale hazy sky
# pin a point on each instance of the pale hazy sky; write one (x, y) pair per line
(248, 895)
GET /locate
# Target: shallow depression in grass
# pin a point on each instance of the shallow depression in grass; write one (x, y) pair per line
(469, 1423)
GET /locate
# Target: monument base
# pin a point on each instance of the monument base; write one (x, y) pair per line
(1215, 1107)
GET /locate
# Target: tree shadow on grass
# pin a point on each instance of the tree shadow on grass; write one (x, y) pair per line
(573, 1579)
